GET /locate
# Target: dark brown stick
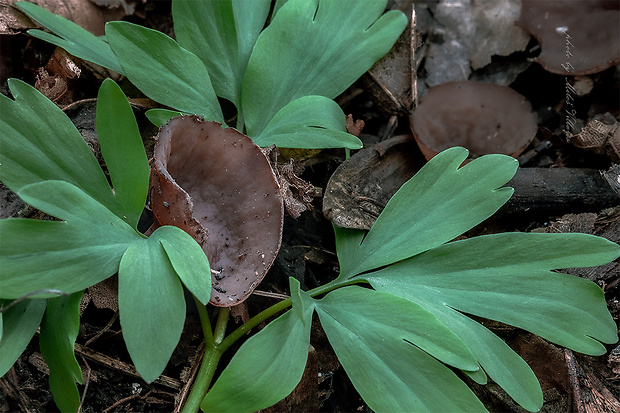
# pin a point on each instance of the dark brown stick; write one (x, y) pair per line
(557, 191)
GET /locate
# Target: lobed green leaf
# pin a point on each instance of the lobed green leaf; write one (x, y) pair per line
(269, 364)
(498, 360)
(19, 323)
(310, 122)
(123, 150)
(74, 39)
(222, 34)
(59, 329)
(40, 143)
(314, 48)
(151, 305)
(507, 277)
(163, 70)
(348, 241)
(70, 255)
(159, 117)
(439, 203)
(392, 351)
(188, 260)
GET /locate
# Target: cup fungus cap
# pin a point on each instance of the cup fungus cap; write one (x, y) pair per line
(482, 117)
(576, 37)
(218, 186)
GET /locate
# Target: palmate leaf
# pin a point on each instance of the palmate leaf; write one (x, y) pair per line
(59, 329)
(70, 255)
(504, 277)
(314, 47)
(495, 357)
(40, 143)
(151, 305)
(392, 351)
(269, 365)
(19, 323)
(74, 39)
(163, 70)
(188, 260)
(222, 34)
(439, 203)
(310, 122)
(507, 277)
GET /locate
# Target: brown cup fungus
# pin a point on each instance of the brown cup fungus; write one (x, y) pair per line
(218, 186)
(576, 37)
(482, 117)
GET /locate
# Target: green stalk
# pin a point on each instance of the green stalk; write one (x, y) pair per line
(240, 125)
(253, 322)
(205, 323)
(216, 344)
(212, 356)
(203, 380)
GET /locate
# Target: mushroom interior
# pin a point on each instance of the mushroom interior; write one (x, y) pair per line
(217, 185)
(576, 37)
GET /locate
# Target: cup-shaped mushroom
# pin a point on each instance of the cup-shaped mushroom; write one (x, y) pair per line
(218, 186)
(576, 37)
(482, 117)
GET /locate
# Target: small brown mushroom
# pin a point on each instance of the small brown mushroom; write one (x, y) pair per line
(217, 185)
(576, 37)
(482, 117)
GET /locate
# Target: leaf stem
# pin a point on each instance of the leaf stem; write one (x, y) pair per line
(205, 322)
(219, 344)
(240, 125)
(203, 380)
(253, 322)
(220, 327)
(213, 353)
(269, 312)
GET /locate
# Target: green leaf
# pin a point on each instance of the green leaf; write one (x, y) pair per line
(507, 277)
(439, 203)
(123, 150)
(163, 70)
(222, 34)
(310, 122)
(19, 323)
(70, 255)
(391, 350)
(59, 329)
(151, 306)
(498, 360)
(159, 117)
(74, 39)
(40, 143)
(314, 48)
(188, 260)
(268, 366)
(348, 241)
